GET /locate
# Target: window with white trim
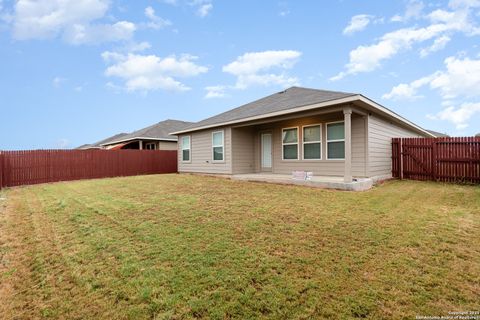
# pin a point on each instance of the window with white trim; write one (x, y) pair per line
(336, 141)
(186, 148)
(150, 146)
(312, 142)
(218, 146)
(290, 144)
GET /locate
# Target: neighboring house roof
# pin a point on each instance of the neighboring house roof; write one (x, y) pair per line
(294, 99)
(99, 144)
(438, 134)
(158, 131)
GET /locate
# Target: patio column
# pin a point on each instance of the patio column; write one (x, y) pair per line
(347, 114)
(140, 144)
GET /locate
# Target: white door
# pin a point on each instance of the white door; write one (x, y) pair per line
(266, 139)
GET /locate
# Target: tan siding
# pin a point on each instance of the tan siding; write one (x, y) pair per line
(380, 134)
(243, 150)
(358, 146)
(167, 145)
(201, 153)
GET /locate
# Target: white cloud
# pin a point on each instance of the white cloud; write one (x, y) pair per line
(215, 92)
(357, 23)
(58, 81)
(459, 116)
(257, 68)
(461, 78)
(72, 19)
(62, 143)
(438, 44)
(413, 11)
(366, 58)
(204, 9)
(155, 21)
(150, 72)
(98, 33)
(138, 47)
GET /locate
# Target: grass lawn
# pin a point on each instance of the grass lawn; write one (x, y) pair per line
(182, 246)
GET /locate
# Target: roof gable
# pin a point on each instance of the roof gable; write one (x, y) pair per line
(290, 98)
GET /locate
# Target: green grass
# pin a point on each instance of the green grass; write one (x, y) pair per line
(182, 246)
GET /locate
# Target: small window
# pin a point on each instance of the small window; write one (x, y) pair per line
(312, 142)
(336, 141)
(217, 146)
(186, 148)
(290, 144)
(151, 146)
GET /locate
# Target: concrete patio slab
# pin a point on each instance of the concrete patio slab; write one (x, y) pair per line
(328, 182)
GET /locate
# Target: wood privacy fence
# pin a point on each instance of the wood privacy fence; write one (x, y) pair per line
(41, 166)
(438, 159)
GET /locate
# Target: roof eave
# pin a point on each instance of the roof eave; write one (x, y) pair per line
(138, 138)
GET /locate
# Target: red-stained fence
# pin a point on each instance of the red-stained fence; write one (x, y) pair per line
(41, 166)
(438, 159)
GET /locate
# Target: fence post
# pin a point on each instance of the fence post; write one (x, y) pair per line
(400, 157)
(434, 159)
(1, 170)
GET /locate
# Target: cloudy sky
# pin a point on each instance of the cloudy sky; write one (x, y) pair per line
(77, 71)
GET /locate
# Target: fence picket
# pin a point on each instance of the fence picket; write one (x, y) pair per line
(41, 166)
(439, 159)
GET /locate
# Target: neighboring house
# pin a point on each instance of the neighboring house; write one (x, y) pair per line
(154, 137)
(477, 135)
(98, 145)
(438, 134)
(325, 132)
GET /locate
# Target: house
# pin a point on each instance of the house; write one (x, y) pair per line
(98, 145)
(438, 134)
(337, 136)
(154, 137)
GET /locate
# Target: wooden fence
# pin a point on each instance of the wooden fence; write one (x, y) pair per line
(438, 159)
(41, 166)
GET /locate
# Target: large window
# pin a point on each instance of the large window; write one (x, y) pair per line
(186, 148)
(336, 140)
(217, 146)
(312, 142)
(290, 144)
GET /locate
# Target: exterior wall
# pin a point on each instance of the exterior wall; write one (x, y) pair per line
(380, 134)
(243, 160)
(247, 153)
(201, 153)
(167, 145)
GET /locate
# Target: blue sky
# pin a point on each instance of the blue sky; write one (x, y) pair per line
(77, 71)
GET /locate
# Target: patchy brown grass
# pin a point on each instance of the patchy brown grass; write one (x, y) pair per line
(180, 246)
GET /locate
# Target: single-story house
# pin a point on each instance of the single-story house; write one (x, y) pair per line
(438, 134)
(330, 134)
(154, 137)
(98, 145)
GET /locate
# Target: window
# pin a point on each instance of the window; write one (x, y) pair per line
(312, 142)
(336, 140)
(150, 146)
(186, 148)
(217, 146)
(290, 144)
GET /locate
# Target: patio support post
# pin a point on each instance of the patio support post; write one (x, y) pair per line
(140, 144)
(347, 114)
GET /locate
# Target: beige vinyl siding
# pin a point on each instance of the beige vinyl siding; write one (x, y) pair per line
(380, 134)
(243, 150)
(359, 151)
(167, 145)
(201, 159)
(318, 167)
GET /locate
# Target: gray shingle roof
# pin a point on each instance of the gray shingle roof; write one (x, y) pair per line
(99, 143)
(438, 134)
(290, 98)
(158, 131)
